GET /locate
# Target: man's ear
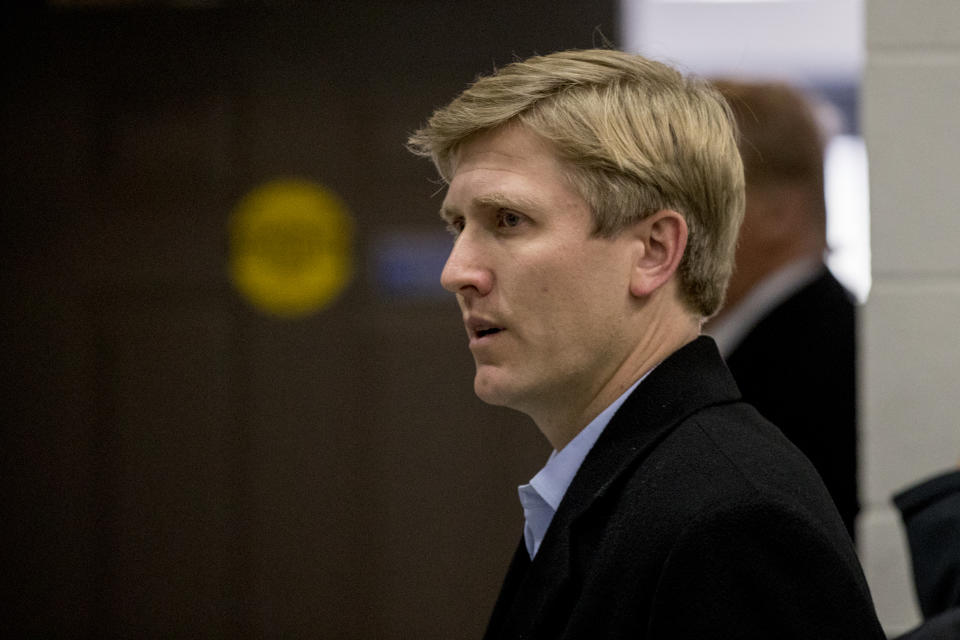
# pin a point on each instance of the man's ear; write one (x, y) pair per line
(662, 240)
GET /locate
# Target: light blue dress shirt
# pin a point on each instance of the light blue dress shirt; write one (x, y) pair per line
(541, 497)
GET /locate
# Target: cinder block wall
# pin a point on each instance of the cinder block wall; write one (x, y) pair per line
(910, 344)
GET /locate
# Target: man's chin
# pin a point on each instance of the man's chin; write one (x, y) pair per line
(492, 389)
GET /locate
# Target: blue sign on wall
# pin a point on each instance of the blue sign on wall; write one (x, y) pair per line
(409, 263)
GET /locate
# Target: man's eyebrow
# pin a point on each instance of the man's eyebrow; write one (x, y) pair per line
(499, 200)
(495, 200)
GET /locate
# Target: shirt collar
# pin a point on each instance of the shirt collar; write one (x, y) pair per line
(542, 496)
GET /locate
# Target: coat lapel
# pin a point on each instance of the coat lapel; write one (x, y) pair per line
(535, 593)
(693, 378)
(516, 574)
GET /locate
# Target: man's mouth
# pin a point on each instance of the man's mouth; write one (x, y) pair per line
(480, 328)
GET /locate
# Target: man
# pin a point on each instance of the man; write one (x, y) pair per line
(787, 330)
(595, 198)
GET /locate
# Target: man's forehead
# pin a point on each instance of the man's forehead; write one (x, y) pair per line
(510, 144)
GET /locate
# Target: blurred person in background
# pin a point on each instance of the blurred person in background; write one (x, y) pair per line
(788, 329)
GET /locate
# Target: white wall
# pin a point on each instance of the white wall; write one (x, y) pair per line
(794, 40)
(910, 345)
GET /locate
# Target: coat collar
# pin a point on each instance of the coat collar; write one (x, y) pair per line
(690, 379)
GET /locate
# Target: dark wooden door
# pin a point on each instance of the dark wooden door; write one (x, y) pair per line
(176, 462)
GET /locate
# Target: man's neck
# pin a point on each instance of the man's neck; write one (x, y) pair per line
(729, 328)
(560, 422)
(751, 272)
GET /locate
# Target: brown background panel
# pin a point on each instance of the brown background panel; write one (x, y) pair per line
(306, 468)
(444, 473)
(176, 463)
(166, 532)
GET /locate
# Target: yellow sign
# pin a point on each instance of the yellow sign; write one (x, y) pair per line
(291, 247)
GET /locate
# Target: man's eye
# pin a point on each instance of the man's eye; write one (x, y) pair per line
(508, 219)
(455, 226)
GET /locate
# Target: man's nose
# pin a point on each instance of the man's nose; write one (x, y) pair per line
(466, 271)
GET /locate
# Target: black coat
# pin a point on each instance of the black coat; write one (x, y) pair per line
(691, 517)
(797, 366)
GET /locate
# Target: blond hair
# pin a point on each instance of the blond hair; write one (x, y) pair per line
(640, 137)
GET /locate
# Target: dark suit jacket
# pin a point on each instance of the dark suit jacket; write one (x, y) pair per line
(691, 517)
(797, 366)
